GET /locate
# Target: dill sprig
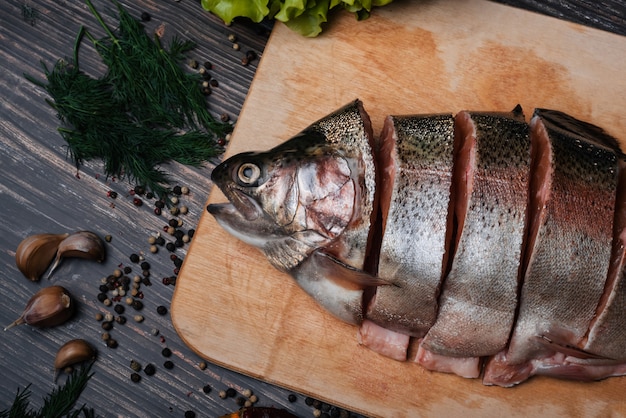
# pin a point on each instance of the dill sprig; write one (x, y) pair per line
(144, 112)
(58, 403)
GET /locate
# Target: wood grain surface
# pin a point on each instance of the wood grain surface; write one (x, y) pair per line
(420, 57)
(39, 192)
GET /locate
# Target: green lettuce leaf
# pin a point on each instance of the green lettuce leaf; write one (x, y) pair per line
(227, 10)
(302, 16)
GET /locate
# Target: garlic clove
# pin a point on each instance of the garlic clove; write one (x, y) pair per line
(48, 307)
(35, 253)
(81, 244)
(73, 352)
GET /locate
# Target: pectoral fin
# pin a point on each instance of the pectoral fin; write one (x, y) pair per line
(343, 274)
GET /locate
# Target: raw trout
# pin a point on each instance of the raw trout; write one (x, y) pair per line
(471, 244)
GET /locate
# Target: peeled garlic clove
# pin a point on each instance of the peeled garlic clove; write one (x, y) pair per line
(72, 352)
(48, 307)
(35, 253)
(81, 244)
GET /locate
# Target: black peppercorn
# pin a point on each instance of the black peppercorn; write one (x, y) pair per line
(178, 262)
(191, 232)
(206, 389)
(134, 258)
(159, 204)
(161, 310)
(170, 246)
(240, 401)
(120, 319)
(214, 83)
(137, 305)
(179, 243)
(135, 377)
(177, 190)
(137, 201)
(309, 401)
(166, 352)
(103, 288)
(230, 393)
(160, 241)
(292, 398)
(168, 365)
(190, 414)
(178, 234)
(173, 222)
(119, 308)
(102, 296)
(127, 270)
(149, 195)
(145, 265)
(149, 369)
(107, 325)
(111, 343)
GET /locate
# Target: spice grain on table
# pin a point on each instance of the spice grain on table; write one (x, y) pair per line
(122, 304)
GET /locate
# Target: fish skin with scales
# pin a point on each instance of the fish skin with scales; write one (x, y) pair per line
(460, 242)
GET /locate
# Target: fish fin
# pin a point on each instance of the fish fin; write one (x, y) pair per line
(572, 127)
(518, 112)
(567, 349)
(340, 272)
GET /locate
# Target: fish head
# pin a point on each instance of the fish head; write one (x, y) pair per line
(288, 201)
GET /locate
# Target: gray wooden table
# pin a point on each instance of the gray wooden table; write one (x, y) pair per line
(41, 191)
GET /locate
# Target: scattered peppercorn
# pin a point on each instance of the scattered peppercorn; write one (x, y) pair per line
(159, 204)
(191, 232)
(166, 352)
(160, 241)
(251, 55)
(102, 296)
(185, 189)
(137, 201)
(170, 246)
(138, 318)
(137, 305)
(168, 365)
(120, 319)
(224, 117)
(240, 401)
(134, 258)
(292, 398)
(99, 316)
(111, 343)
(230, 393)
(232, 37)
(206, 389)
(108, 238)
(145, 265)
(134, 364)
(202, 365)
(145, 17)
(161, 310)
(157, 211)
(222, 394)
(107, 325)
(190, 414)
(135, 377)
(309, 401)
(149, 369)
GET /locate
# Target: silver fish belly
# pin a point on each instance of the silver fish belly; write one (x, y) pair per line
(474, 244)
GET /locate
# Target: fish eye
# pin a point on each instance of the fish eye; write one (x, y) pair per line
(248, 174)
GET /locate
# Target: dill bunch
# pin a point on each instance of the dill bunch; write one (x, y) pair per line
(145, 111)
(58, 403)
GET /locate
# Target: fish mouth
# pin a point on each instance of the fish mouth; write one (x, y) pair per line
(241, 203)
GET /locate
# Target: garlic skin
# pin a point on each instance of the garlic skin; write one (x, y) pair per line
(49, 307)
(35, 253)
(81, 244)
(72, 352)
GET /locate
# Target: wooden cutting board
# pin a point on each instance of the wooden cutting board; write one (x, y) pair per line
(232, 308)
